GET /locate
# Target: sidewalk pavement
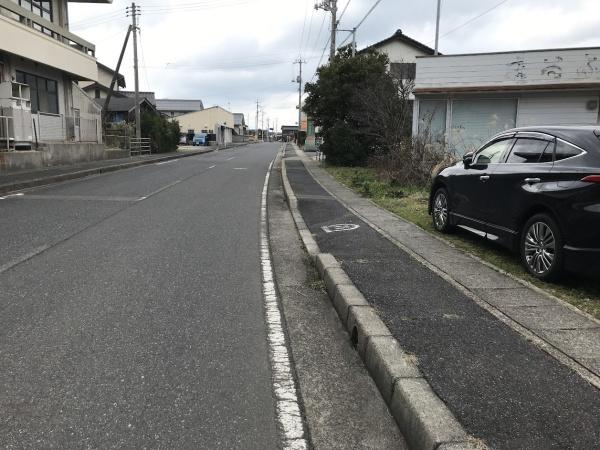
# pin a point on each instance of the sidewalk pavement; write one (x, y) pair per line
(518, 368)
(23, 179)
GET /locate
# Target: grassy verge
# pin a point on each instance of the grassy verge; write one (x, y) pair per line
(410, 203)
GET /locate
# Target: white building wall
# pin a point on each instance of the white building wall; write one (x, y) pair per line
(558, 109)
(398, 52)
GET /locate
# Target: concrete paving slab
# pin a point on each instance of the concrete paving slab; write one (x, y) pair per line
(557, 317)
(476, 275)
(583, 344)
(521, 296)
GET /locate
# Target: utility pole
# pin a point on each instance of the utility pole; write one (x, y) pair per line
(135, 11)
(353, 31)
(256, 129)
(299, 81)
(331, 6)
(268, 130)
(263, 125)
(437, 27)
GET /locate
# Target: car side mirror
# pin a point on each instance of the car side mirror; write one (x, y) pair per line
(468, 159)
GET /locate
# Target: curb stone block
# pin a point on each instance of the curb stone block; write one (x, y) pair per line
(461, 446)
(334, 276)
(422, 417)
(386, 363)
(325, 261)
(363, 324)
(346, 296)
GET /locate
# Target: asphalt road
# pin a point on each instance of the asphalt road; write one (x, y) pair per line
(502, 388)
(131, 309)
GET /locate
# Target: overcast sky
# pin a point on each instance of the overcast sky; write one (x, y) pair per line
(233, 52)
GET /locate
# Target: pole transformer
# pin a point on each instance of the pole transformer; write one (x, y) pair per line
(331, 6)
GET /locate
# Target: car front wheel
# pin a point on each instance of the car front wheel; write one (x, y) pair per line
(440, 211)
(542, 248)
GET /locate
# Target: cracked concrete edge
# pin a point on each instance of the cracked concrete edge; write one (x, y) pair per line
(37, 182)
(530, 335)
(423, 418)
(305, 235)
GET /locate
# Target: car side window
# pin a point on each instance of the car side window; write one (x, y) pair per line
(565, 150)
(528, 150)
(493, 153)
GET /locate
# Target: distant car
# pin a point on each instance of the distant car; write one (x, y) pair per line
(535, 190)
(200, 139)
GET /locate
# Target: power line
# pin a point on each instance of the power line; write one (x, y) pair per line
(312, 13)
(473, 19)
(303, 26)
(320, 59)
(344, 10)
(363, 21)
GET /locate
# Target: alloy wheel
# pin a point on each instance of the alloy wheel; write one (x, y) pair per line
(440, 210)
(540, 248)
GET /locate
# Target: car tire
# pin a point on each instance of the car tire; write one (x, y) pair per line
(542, 251)
(440, 211)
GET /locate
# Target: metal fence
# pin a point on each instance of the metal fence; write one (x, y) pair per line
(5, 134)
(140, 146)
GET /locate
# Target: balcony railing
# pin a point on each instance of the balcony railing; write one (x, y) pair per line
(28, 18)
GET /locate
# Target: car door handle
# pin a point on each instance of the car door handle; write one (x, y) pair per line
(484, 177)
(532, 180)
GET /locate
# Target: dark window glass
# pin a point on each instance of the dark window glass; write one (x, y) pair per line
(44, 92)
(493, 153)
(39, 8)
(528, 151)
(565, 150)
(404, 71)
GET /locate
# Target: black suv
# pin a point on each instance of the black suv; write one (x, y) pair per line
(535, 190)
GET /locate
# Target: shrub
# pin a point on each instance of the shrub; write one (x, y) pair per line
(164, 134)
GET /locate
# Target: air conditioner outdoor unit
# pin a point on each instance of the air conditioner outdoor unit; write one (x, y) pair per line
(15, 107)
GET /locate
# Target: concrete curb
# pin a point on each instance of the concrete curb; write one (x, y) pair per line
(421, 415)
(307, 239)
(20, 185)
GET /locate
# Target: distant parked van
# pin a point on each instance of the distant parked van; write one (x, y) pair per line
(200, 139)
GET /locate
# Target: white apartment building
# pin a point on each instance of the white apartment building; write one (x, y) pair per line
(41, 62)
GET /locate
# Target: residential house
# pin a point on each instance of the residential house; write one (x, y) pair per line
(462, 100)
(100, 87)
(214, 120)
(41, 62)
(174, 107)
(402, 51)
(122, 109)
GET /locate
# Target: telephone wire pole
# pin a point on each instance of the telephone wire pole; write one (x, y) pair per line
(299, 81)
(331, 6)
(134, 11)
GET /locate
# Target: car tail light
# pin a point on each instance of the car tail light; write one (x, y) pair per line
(591, 179)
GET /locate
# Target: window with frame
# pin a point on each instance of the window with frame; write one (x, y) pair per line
(42, 8)
(565, 150)
(44, 92)
(528, 151)
(493, 153)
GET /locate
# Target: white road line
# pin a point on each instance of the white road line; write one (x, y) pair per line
(166, 162)
(212, 167)
(284, 387)
(11, 196)
(229, 159)
(240, 168)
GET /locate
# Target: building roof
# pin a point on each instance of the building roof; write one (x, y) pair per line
(120, 77)
(120, 104)
(289, 127)
(150, 96)
(400, 37)
(177, 105)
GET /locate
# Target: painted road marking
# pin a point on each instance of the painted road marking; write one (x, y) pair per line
(284, 387)
(12, 196)
(240, 168)
(166, 162)
(212, 167)
(229, 159)
(340, 227)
